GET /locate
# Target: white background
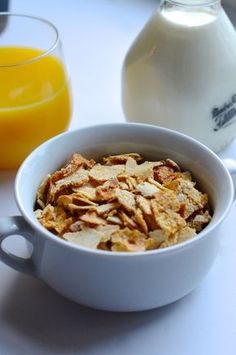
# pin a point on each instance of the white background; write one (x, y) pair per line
(34, 319)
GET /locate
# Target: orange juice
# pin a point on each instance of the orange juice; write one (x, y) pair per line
(34, 101)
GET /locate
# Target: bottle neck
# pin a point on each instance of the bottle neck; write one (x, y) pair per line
(192, 3)
(191, 12)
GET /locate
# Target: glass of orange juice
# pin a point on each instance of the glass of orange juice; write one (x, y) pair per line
(35, 99)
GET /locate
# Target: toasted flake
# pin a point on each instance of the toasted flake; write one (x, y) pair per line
(130, 185)
(131, 166)
(143, 171)
(76, 226)
(190, 208)
(151, 222)
(171, 163)
(185, 234)
(106, 192)
(40, 203)
(105, 208)
(123, 186)
(64, 185)
(157, 237)
(167, 219)
(157, 184)
(79, 208)
(138, 216)
(128, 240)
(144, 204)
(42, 191)
(62, 224)
(172, 240)
(171, 222)
(88, 237)
(147, 189)
(195, 195)
(126, 199)
(124, 179)
(193, 199)
(133, 181)
(111, 213)
(121, 159)
(115, 220)
(38, 213)
(55, 219)
(164, 174)
(130, 182)
(199, 221)
(92, 218)
(124, 245)
(108, 229)
(65, 200)
(181, 185)
(166, 201)
(75, 199)
(127, 221)
(87, 191)
(80, 199)
(76, 179)
(102, 173)
(186, 175)
(76, 162)
(48, 213)
(53, 192)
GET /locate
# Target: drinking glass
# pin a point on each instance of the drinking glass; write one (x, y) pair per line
(35, 101)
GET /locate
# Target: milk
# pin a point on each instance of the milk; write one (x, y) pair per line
(180, 73)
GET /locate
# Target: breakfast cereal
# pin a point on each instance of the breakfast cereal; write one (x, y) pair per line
(122, 203)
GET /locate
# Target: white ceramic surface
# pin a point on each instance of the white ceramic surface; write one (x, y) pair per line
(119, 281)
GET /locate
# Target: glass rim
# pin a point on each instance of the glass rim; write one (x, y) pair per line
(185, 3)
(45, 52)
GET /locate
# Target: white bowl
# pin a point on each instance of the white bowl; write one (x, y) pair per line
(119, 281)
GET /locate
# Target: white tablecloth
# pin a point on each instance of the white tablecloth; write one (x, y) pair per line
(36, 320)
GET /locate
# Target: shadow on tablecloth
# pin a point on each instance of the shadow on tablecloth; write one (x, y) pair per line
(50, 323)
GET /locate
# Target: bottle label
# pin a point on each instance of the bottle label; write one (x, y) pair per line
(224, 115)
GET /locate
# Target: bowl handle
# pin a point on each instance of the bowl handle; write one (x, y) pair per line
(11, 226)
(230, 164)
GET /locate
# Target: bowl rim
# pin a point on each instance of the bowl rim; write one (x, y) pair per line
(97, 252)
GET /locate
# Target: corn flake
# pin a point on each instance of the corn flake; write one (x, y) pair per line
(92, 218)
(89, 238)
(146, 189)
(126, 199)
(101, 173)
(122, 204)
(121, 159)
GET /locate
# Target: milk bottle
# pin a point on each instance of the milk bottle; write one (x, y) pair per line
(180, 72)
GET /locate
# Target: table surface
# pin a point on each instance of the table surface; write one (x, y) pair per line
(36, 320)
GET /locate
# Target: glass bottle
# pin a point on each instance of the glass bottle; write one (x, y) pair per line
(180, 72)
